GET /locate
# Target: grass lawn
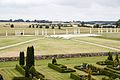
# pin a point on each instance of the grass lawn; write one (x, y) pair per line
(112, 36)
(41, 66)
(51, 46)
(101, 41)
(5, 41)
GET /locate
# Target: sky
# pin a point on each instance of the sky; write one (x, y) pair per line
(61, 10)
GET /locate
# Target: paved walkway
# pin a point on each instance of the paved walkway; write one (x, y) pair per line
(20, 43)
(96, 44)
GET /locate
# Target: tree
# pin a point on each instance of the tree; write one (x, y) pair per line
(54, 61)
(29, 26)
(53, 27)
(115, 63)
(110, 56)
(22, 59)
(1, 77)
(117, 58)
(82, 24)
(118, 23)
(89, 74)
(30, 57)
(27, 71)
(12, 26)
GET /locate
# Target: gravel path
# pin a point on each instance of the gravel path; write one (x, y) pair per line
(96, 44)
(20, 43)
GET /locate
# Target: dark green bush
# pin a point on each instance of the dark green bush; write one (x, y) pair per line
(76, 76)
(20, 69)
(1, 77)
(60, 68)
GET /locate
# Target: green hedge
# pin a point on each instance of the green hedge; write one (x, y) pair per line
(20, 69)
(111, 74)
(93, 68)
(1, 77)
(111, 66)
(76, 76)
(112, 70)
(61, 68)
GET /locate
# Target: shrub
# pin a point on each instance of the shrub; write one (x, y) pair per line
(76, 76)
(1, 77)
(12, 26)
(21, 59)
(110, 56)
(20, 69)
(60, 68)
(106, 78)
(117, 58)
(54, 61)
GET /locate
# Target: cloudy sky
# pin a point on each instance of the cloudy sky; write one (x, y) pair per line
(83, 10)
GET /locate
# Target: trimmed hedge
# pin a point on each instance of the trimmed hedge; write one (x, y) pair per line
(95, 70)
(76, 76)
(20, 69)
(112, 70)
(112, 67)
(60, 68)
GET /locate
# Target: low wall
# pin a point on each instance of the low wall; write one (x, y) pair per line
(60, 56)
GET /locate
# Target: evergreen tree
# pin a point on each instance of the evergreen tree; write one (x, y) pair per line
(21, 59)
(28, 58)
(12, 26)
(89, 74)
(110, 56)
(29, 26)
(32, 56)
(27, 71)
(54, 61)
(82, 24)
(53, 27)
(117, 58)
(118, 23)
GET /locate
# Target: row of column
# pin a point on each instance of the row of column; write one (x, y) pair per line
(76, 31)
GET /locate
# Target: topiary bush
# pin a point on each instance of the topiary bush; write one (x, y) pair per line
(20, 69)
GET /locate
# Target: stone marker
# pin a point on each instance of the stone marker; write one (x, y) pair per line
(90, 30)
(66, 31)
(46, 32)
(107, 30)
(42, 32)
(54, 31)
(6, 33)
(78, 31)
(117, 30)
(98, 30)
(110, 29)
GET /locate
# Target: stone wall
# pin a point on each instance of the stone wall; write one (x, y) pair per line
(61, 56)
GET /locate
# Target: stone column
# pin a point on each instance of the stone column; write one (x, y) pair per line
(90, 30)
(117, 30)
(46, 32)
(101, 30)
(66, 31)
(98, 30)
(107, 30)
(42, 32)
(6, 33)
(78, 31)
(110, 29)
(54, 31)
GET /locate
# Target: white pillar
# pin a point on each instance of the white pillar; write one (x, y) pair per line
(90, 30)
(101, 30)
(78, 31)
(54, 31)
(66, 31)
(117, 30)
(107, 30)
(46, 32)
(23, 32)
(98, 30)
(6, 33)
(110, 29)
(75, 31)
(42, 32)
